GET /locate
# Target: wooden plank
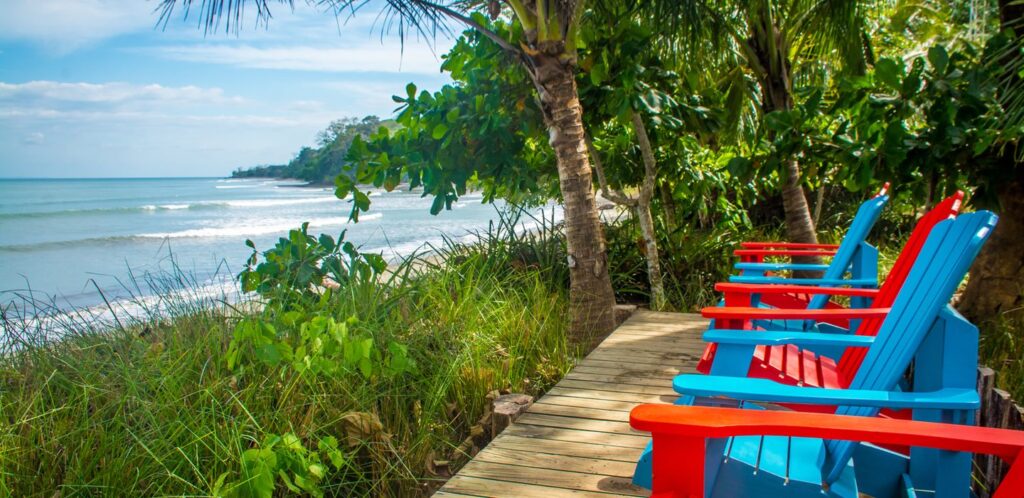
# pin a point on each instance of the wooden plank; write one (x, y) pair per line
(531, 458)
(618, 365)
(666, 358)
(567, 448)
(656, 373)
(585, 424)
(621, 388)
(445, 494)
(647, 316)
(626, 440)
(624, 378)
(578, 481)
(642, 325)
(490, 488)
(613, 396)
(589, 403)
(576, 440)
(545, 408)
(654, 347)
(676, 339)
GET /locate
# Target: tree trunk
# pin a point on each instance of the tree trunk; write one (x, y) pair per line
(591, 298)
(668, 206)
(654, 278)
(799, 226)
(818, 202)
(643, 213)
(769, 60)
(996, 286)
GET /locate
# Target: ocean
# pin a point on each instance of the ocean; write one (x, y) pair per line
(77, 243)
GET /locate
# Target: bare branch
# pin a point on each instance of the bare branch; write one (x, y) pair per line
(616, 196)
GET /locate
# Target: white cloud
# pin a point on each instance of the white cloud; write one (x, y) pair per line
(127, 117)
(65, 25)
(111, 93)
(36, 138)
(365, 57)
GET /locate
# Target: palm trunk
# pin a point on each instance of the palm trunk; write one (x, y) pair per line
(996, 286)
(591, 298)
(771, 63)
(799, 225)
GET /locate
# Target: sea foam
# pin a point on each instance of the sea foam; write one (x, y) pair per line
(244, 230)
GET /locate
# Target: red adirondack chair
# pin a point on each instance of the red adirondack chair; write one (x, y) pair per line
(680, 434)
(792, 365)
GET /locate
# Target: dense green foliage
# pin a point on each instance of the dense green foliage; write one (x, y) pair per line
(347, 392)
(321, 164)
(348, 377)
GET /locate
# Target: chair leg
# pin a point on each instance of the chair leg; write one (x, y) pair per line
(678, 466)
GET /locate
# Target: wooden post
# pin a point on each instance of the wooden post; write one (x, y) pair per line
(507, 408)
(997, 410)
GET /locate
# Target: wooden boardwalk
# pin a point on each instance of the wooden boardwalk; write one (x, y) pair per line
(576, 440)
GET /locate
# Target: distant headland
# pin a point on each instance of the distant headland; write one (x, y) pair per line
(318, 166)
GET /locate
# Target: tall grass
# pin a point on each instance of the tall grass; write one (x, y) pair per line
(151, 409)
(693, 260)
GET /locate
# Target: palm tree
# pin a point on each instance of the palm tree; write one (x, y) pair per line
(547, 51)
(778, 41)
(996, 286)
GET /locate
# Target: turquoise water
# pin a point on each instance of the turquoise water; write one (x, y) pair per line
(64, 238)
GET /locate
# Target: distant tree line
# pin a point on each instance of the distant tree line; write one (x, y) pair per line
(321, 164)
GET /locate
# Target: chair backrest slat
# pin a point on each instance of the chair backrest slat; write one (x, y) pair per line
(867, 214)
(942, 264)
(851, 360)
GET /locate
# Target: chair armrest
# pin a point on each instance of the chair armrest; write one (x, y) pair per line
(786, 245)
(745, 313)
(779, 266)
(753, 389)
(732, 287)
(771, 338)
(680, 432)
(783, 252)
(833, 282)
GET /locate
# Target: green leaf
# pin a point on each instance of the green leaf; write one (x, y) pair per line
(452, 115)
(316, 470)
(258, 466)
(438, 204)
(939, 58)
(343, 186)
(376, 262)
(598, 74)
(889, 73)
(361, 201)
(410, 90)
(439, 131)
(269, 354)
(327, 241)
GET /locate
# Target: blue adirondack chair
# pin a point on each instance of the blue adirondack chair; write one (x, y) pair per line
(854, 255)
(920, 327)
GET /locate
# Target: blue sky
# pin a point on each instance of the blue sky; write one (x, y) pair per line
(88, 88)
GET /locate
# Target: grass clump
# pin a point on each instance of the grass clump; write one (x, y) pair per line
(358, 390)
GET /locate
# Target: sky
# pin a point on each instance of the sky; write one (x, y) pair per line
(93, 88)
